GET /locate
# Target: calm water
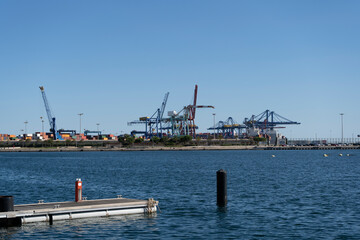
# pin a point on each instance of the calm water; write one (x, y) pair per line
(296, 195)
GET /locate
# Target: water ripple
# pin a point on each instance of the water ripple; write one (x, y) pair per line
(297, 195)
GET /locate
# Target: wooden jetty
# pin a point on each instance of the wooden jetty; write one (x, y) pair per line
(50, 212)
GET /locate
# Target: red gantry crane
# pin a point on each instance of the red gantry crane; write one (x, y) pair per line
(183, 122)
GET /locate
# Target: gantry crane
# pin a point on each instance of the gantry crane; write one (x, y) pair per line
(51, 117)
(229, 128)
(153, 124)
(183, 122)
(267, 119)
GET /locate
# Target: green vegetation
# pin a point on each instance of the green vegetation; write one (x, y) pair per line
(259, 139)
(138, 140)
(49, 142)
(155, 139)
(164, 139)
(126, 140)
(185, 139)
(67, 142)
(172, 141)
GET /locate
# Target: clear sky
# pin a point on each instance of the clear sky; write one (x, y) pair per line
(115, 60)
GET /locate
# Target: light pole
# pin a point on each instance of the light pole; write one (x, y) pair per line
(42, 125)
(97, 126)
(22, 133)
(26, 122)
(80, 114)
(342, 129)
(214, 125)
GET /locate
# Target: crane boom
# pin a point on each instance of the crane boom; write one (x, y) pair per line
(267, 119)
(163, 105)
(191, 112)
(153, 124)
(51, 118)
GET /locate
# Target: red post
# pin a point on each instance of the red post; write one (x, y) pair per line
(78, 190)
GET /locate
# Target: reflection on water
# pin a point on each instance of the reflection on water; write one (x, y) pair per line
(88, 227)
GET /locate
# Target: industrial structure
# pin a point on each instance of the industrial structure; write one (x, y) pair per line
(176, 124)
(153, 124)
(263, 125)
(50, 115)
(183, 122)
(91, 133)
(267, 119)
(56, 134)
(179, 123)
(229, 128)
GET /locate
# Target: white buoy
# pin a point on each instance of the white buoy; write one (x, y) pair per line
(325, 155)
(340, 154)
(273, 155)
(348, 155)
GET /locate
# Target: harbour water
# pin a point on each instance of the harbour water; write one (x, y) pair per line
(294, 195)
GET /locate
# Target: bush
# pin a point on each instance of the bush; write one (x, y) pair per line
(139, 140)
(259, 139)
(155, 139)
(198, 140)
(49, 142)
(164, 139)
(172, 141)
(126, 140)
(185, 139)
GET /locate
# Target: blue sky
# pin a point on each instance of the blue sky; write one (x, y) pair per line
(115, 60)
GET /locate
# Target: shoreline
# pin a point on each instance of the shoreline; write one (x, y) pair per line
(179, 148)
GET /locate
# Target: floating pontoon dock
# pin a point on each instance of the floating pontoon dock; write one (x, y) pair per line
(49, 212)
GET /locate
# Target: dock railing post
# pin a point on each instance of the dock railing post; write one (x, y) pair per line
(78, 190)
(6, 203)
(221, 183)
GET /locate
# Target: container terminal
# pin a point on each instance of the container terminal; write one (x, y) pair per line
(263, 126)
